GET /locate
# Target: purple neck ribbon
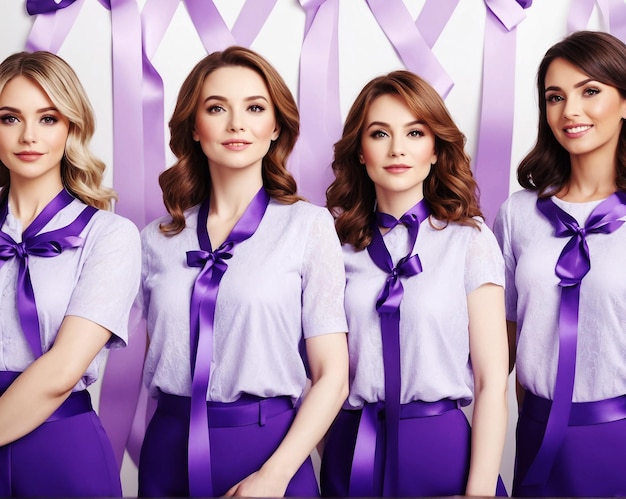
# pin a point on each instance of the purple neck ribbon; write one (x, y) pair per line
(572, 266)
(388, 307)
(202, 314)
(45, 245)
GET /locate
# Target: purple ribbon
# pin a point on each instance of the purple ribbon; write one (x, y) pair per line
(572, 266)
(388, 307)
(614, 11)
(320, 117)
(397, 24)
(493, 155)
(433, 17)
(202, 313)
(50, 29)
(46, 245)
(34, 7)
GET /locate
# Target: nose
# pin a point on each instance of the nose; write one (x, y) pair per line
(571, 108)
(28, 134)
(396, 148)
(236, 123)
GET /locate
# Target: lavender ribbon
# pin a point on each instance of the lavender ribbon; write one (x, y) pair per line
(388, 307)
(493, 156)
(612, 10)
(572, 266)
(34, 7)
(202, 313)
(46, 245)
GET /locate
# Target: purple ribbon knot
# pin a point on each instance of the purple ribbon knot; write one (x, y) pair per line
(572, 266)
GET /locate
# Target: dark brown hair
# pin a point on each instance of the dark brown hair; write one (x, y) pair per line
(601, 56)
(450, 188)
(188, 182)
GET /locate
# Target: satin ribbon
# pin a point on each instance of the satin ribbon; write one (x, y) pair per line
(388, 308)
(46, 245)
(493, 154)
(433, 17)
(395, 20)
(52, 24)
(572, 266)
(34, 7)
(614, 11)
(318, 101)
(202, 313)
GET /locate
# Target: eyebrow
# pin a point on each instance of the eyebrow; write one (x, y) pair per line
(247, 99)
(383, 124)
(577, 85)
(39, 111)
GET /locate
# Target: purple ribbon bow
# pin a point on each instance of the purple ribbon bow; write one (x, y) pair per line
(46, 245)
(202, 314)
(388, 307)
(34, 7)
(572, 266)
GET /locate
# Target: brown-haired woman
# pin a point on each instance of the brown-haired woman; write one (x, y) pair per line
(563, 242)
(424, 302)
(226, 324)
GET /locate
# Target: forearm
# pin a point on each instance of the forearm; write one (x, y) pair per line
(488, 434)
(31, 399)
(315, 415)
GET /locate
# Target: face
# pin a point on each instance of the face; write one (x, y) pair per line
(397, 149)
(235, 121)
(584, 115)
(33, 132)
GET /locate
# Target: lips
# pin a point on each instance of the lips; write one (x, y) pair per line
(397, 168)
(29, 156)
(577, 129)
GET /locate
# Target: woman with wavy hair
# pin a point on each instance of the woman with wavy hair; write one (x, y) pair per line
(69, 271)
(424, 301)
(563, 241)
(239, 276)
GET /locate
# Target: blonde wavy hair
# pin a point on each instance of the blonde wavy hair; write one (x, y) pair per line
(81, 172)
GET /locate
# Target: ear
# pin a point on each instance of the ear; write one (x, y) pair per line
(276, 133)
(194, 135)
(361, 158)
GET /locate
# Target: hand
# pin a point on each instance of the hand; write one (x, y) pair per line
(259, 484)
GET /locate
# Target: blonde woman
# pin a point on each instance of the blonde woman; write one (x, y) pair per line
(69, 270)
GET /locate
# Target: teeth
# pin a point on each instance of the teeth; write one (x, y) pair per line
(577, 129)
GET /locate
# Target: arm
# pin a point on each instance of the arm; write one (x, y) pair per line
(488, 352)
(328, 360)
(49, 380)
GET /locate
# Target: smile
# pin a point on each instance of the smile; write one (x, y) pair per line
(578, 129)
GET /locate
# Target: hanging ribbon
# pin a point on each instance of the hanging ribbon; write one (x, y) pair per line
(493, 156)
(388, 308)
(572, 266)
(613, 11)
(320, 116)
(433, 18)
(52, 24)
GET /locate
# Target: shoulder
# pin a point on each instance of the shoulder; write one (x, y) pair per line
(151, 233)
(303, 213)
(519, 200)
(113, 228)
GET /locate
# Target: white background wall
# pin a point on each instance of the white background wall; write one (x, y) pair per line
(365, 52)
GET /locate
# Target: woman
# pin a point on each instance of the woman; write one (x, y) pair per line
(424, 301)
(563, 246)
(69, 271)
(234, 280)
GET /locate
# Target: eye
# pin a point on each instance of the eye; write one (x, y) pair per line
(554, 98)
(49, 120)
(8, 119)
(256, 108)
(215, 109)
(591, 91)
(416, 133)
(378, 134)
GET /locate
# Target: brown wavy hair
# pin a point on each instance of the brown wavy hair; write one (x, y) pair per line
(188, 182)
(449, 188)
(81, 172)
(547, 168)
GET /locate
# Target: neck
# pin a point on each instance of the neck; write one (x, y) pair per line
(27, 201)
(590, 180)
(397, 204)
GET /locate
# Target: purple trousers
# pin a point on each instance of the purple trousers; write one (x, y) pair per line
(434, 455)
(240, 444)
(592, 460)
(70, 455)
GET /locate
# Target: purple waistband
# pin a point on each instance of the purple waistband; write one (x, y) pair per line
(76, 403)
(416, 409)
(247, 410)
(581, 413)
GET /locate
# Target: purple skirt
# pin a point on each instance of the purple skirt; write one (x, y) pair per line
(69, 455)
(243, 435)
(592, 460)
(434, 455)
